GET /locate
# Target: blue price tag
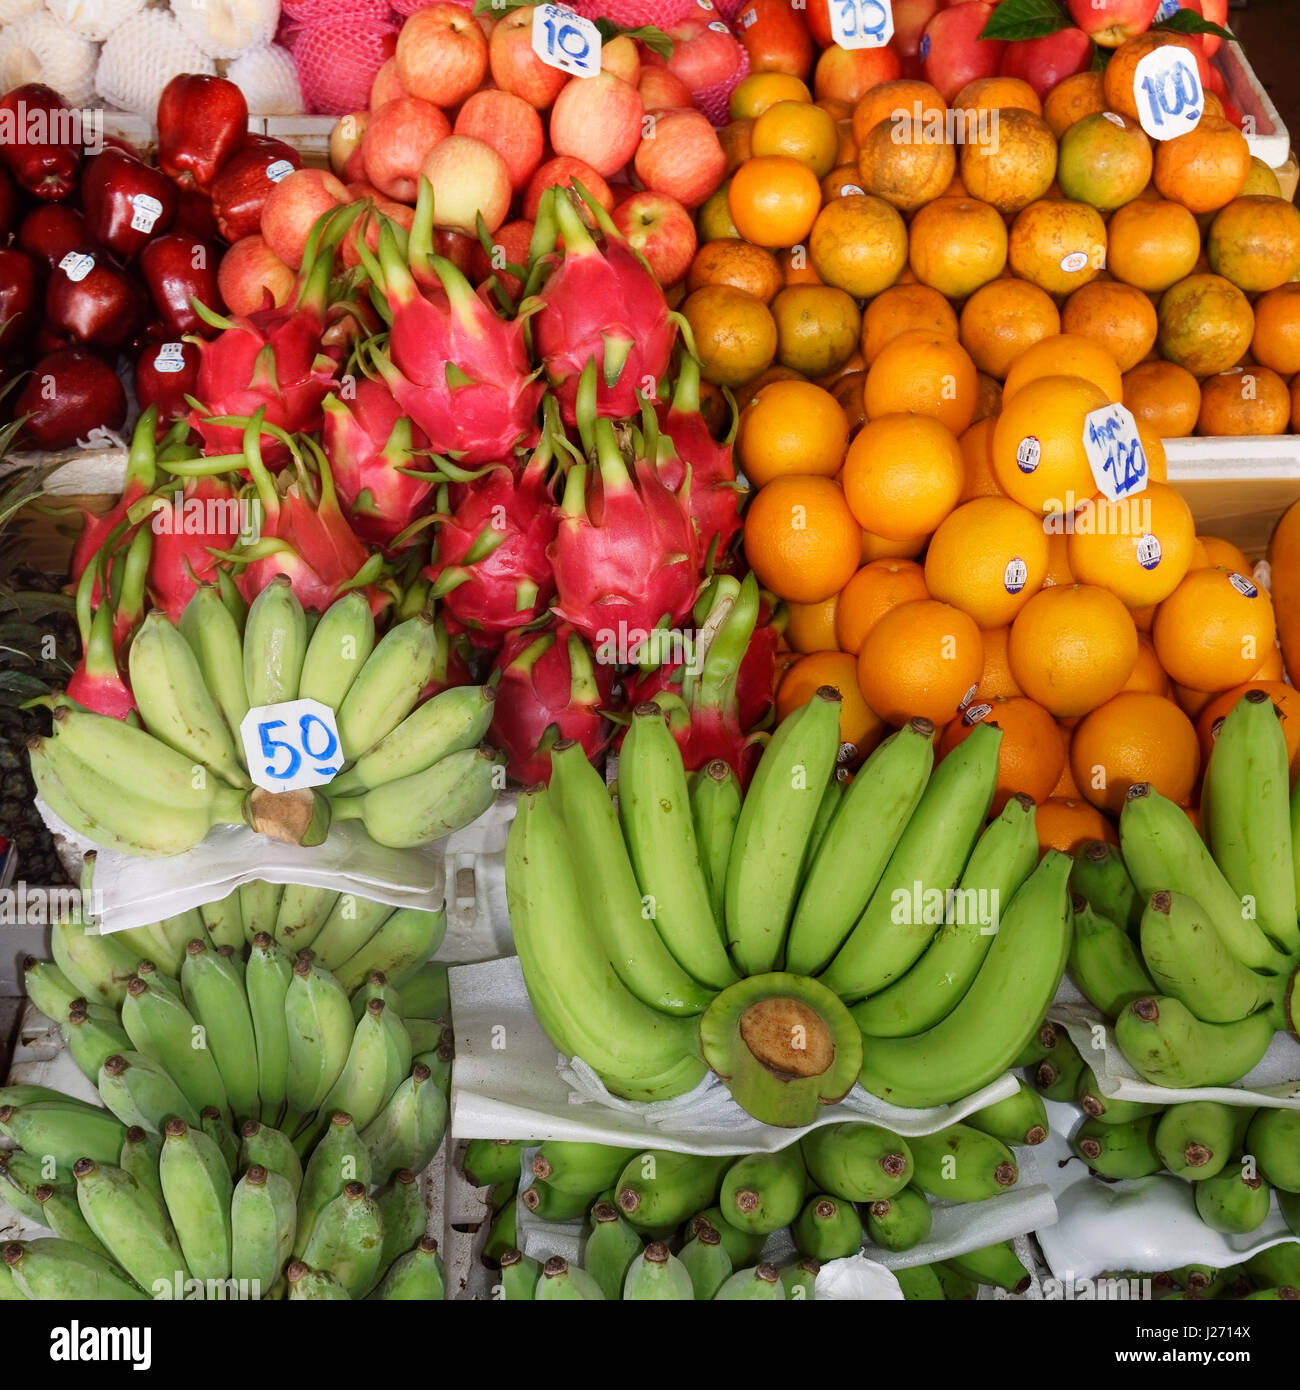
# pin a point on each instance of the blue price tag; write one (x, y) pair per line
(861, 23)
(564, 40)
(1115, 453)
(1167, 90)
(291, 745)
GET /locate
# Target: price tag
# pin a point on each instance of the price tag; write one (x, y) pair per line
(1115, 453)
(862, 23)
(746, 17)
(1167, 89)
(564, 40)
(171, 357)
(291, 745)
(1166, 9)
(76, 265)
(281, 169)
(145, 212)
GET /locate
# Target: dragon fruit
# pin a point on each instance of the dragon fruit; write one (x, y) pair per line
(550, 688)
(191, 525)
(456, 368)
(367, 444)
(97, 683)
(596, 303)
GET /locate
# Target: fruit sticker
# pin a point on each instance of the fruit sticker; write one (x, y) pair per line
(1148, 552)
(862, 23)
(281, 169)
(1015, 576)
(1115, 453)
(1167, 91)
(291, 745)
(1243, 585)
(564, 40)
(1028, 452)
(145, 211)
(171, 357)
(76, 265)
(1074, 261)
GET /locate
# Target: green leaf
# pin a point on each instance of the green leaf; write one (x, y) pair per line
(499, 6)
(21, 684)
(1100, 57)
(1026, 19)
(654, 39)
(1189, 22)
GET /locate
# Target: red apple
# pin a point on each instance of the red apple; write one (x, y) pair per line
(165, 373)
(703, 55)
(202, 122)
(845, 74)
(387, 86)
(249, 272)
(194, 214)
(442, 54)
(69, 393)
(8, 205)
(456, 246)
(38, 147)
(1110, 22)
(469, 179)
(398, 138)
(20, 297)
(345, 145)
(1045, 62)
(296, 202)
(50, 231)
(126, 202)
(681, 157)
(910, 19)
(662, 230)
(368, 226)
(176, 269)
(619, 55)
(662, 90)
(510, 125)
(952, 52)
(240, 190)
(1216, 11)
(561, 173)
(91, 300)
(516, 67)
(509, 247)
(776, 37)
(598, 119)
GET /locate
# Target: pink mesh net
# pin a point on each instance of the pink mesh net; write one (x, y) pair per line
(631, 14)
(310, 11)
(713, 100)
(337, 58)
(405, 7)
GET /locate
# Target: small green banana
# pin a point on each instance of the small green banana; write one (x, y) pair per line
(998, 1265)
(130, 1223)
(352, 922)
(308, 1285)
(217, 644)
(339, 1158)
(372, 1072)
(61, 1213)
(65, 1131)
(962, 1164)
(1195, 1139)
(259, 907)
(763, 1283)
(1019, 1119)
(223, 921)
(426, 993)
(1108, 1109)
(419, 1274)
(347, 1240)
(98, 967)
(561, 1281)
(661, 1188)
(139, 1157)
(214, 993)
(1099, 874)
(404, 1214)
(1233, 1201)
(1274, 1139)
(858, 1162)
(829, 1228)
(408, 1131)
(213, 1123)
(388, 685)
(800, 1280)
(501, 1234)
(337, 650)
(275, 644)
(580, 1168)
(266, 983)
(706, 1262)
(21, 1174)
(49, 989)
(1104, 962)
(490, 1161)
(611, 1247)
(197, 1189)
(139, 1092)
(302, 913)
(901, 1221)
(1057, 1076)
(319, 1021)
(1168, 1045)
(262, 1220)
(1119, 1150)
(762, 1192)
(58, 1271)
(742, 1248)
(404, 942)
(715, 809)
(92, 1035)
(519, 1276)
(656, 1275)
(546, 1204)
(919, 1283)
(272, 1149)
(957, 1287)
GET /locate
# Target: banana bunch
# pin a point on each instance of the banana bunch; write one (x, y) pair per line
(796, 939)
(413, 770)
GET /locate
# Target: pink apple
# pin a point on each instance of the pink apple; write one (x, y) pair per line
(442, 54)
(1045, 62)
(249, 271)
(294, 205)
(345, 145)
(509, 247)
(1110, 22)
(1216, 11)
(561, 173)
(682, 157)
(368, 226)
(598, 119)
(662, 90)
(910, 19)
(398, 138)
(703, 56)
(952, 52)
(510, 125)
(516, 68)
(662, 230)
(456, 246)
(387, 86)
(619, 56)
(469, 178)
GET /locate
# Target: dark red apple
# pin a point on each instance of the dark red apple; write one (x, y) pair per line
(92, 299)
(48, 233)
(202, 122)
(8, 205)
(245, 183)
(165, 373)
(69, 393)
(126, 203)
(177, 268)
(194, 215)
(20, 297)
(37, 143)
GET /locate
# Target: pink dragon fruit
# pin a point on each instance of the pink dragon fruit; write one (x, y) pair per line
(191, 525)
(597, 303)
(97, 683)
(456, 367)
(367, 444)
(550, 688)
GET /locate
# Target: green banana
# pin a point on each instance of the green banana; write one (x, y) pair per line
(92, 1037)
(741, 1247)
(49, 989)
(408, 1131)
(337, 650)
(829, 1228)
(20, 1175)
(1161, 848)
(1233, 1201)
(1168, 1045)
(547, 1204)
(262, 1220)
(919, 1283)
(654, 808)
(302, 912)
(214, 993)
(352, 922)
(901, 1221)
(308, 1285)
(858, 844)
(715, 809)
(216, 923)
(275, 644)
(271, 1149)
(1274, 1140)
(139, 1157)
(388, 685)
(1108, 1109)
(97, 966)
(376, 986)
(800, 1280)
(661, 1188)
(197, 1189)
(490, 1161)
(1020, 1119)
(957, 1287)
(998, 1265)
(405, 1217)
(858, 1162)
(375, 1066)
(501, 1234)
(26, 1092)
(519, 1276)
(213, 1123)
(1285, 1293)
(1114, 1151)
(405, 941)
(1188, 960)
(1003, 858)
(1278, 1264)
(826, 808)
(1195, 1139)
(419, 1274)
(259, 907)
(1058, 1075)
(319, 1022)
(130, 1223)
(60, 1212)
(139, 1092)
(1039, 1047)
(1002, 1010)
(339, 1158)
(580, 1168)
(706, 1262)
(266, 983)
(578, 996)
(564, 1282)
(147, 948)
(64, 1131)
(217, 644)
(1104, 962)
(1100, 875)
(426, 994)
(425, 1035)
(762, 1192)
(763, 1283)
(962, 1164)
(772, 834)
(347, 1239)
(56, 1271)
(655, 1275)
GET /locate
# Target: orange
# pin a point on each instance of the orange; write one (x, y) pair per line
(1067, 824)
(713, 221)
(1286, 700)
(1058, 559)
(1031, 756)
(909, 171)
(796, 267)
(1152, 244)
(988, 557)
(730, 261)
(955, 245)
(1143, 618)
(845, 74)
(996, 678)
(1148, 676)
(1119, 318)
(920, 659)
(1117, 81)
(902, 99)
(1105, 161)
(1214, 550)
(810, 627)
(997, 94)
(1295, 404)
(1205, 168)
(859, 725)
(977, 458)
(734, 138)
(1065, 354)
(882, 548)
(846, 151)
(1016, 168)
(1157, 460)
(774, 200)
(1213, 631)
(1206, 324)
(1057, 245)
(1072, 649)
(853, 366)
(755, 93)
(1270, 668)
(1136, 737)
(870, 594)
(1190, 701)
(801, 539)
(791, 427)
(1139, 547)
(746, 393)
(1261, 179)
(848, 391)
(1250, 401)
(1163, 398)
(1072, 99)
(988, 397)
(800, 130)
(902, 475)
(1255, 243)
(1038, 453)
(1276, 343)
(817, 328)
(1003, 318)
(859, 244)
(735, 334)
(901, 308)
(1065, 790)
(925, 372)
